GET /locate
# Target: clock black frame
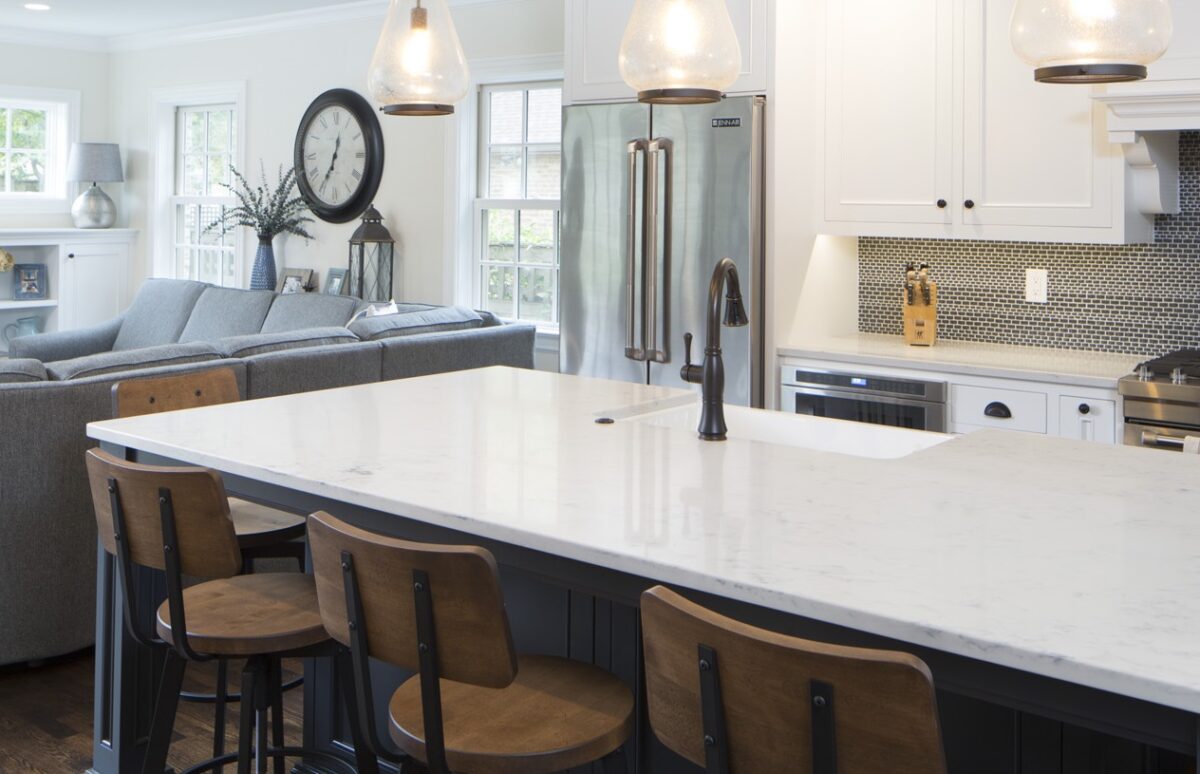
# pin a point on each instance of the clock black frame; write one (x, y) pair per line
(356, 105)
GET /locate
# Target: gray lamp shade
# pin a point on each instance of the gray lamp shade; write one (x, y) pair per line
(95, 162)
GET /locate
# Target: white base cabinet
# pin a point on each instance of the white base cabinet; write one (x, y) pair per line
(593, 42)
(934, 128)
(87, 277)
(1077, 412)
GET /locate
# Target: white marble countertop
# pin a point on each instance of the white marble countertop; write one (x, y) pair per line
(1058, 366)
(1061, 558)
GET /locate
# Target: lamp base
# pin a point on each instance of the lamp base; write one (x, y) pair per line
(680, 96)
(94, 209)
(1090, 73)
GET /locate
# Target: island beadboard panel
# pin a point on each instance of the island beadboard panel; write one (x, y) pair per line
(1142, 299)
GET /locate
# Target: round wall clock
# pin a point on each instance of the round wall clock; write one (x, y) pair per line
(339, 155)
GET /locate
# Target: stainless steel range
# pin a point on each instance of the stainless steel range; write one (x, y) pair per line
(1162, 402)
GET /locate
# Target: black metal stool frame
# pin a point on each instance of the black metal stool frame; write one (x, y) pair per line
(716, 738)
(261, 679)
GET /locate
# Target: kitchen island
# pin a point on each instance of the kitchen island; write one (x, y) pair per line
(1040, 575)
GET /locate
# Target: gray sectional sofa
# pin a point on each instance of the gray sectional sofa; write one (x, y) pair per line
(53, 384)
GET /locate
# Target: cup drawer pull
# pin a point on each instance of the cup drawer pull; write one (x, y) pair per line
(997, 410)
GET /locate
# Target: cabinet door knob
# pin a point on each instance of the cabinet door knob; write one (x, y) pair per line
(969, 204)
(1085, 408)
(941, 203)
(70, 255)
(998, 410)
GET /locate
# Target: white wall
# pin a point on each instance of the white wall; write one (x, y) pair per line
(284, 72)
(57, 68)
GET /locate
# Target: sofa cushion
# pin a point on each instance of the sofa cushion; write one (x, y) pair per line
(131, 360)
(21, 370)
(224, 312)
(159, 313)
(297, 311)
(432, 320)
(262, 343)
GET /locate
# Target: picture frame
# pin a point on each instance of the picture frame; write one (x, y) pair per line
(30, 282)
(295, 281)
(337, 282)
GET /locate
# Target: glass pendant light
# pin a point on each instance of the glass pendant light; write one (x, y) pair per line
(1090, 41)
(418, 68)
(680, 52)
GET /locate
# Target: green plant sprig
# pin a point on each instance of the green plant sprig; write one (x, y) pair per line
(270, 211)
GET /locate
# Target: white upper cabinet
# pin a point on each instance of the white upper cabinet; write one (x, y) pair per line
(889, 125)
(927, 104)
(594, 32)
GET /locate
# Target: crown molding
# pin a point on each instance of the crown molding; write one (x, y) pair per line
(268, 23)
(22, 36)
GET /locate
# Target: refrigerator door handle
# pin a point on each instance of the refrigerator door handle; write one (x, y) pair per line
(633, 352)
(657, 147)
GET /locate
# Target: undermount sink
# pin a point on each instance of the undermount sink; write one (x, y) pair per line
(803, 432)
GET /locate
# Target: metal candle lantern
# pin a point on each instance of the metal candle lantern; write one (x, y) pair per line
(372, 251)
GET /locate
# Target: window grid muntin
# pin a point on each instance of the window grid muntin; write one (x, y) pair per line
(485, 204)
(190, 254)
(55, 115)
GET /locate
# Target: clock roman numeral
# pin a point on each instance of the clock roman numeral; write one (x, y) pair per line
(360, 155)
(357, 175)
(357, 135)
(335, 195)
(349, 190)
(312, 173)
(337, 118)
(324, 123)
(311, 157)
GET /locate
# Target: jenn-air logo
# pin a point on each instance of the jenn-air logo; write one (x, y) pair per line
(726, 123)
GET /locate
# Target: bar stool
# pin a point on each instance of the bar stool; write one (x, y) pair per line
(176, 520)
(262, 532)
(474, 706)
(731, 697)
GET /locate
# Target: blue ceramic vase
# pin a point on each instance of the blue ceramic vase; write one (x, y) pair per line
(263, 275)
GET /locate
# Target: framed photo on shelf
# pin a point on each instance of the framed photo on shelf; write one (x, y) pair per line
(30, 282)
(336, 280)
(295, 281)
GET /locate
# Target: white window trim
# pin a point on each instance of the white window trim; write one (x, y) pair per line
(462, 166)
(51, 202)
(164, 104)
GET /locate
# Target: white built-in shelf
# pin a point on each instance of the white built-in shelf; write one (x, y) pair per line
(40, 304)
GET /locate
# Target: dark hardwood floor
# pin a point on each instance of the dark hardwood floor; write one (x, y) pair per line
(46, 717)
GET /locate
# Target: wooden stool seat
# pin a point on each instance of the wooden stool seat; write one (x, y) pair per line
(258, 525)
(556, 715)
(249, 615)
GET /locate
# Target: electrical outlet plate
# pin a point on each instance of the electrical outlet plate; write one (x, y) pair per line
(1037, 286)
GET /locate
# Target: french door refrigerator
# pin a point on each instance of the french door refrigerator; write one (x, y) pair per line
(653, 197)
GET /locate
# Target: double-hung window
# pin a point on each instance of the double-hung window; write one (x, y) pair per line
(205, 138)
(517, 202)
(35, 140)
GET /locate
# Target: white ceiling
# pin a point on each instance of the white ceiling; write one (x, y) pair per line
(109, 18)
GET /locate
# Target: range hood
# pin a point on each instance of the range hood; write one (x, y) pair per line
(1145, 119)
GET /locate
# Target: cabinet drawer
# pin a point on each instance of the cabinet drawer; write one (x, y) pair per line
(977, 407)
(1087, 419)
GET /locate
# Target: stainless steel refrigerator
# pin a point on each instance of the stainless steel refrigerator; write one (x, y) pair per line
(653, 198)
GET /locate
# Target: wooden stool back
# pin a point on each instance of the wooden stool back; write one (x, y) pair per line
(135, 397)
(208, 547)
(473, 641)
(783, 703)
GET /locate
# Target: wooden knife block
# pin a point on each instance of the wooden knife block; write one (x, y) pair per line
(920, 319)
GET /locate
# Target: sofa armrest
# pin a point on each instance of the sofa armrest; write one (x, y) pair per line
(67, 345)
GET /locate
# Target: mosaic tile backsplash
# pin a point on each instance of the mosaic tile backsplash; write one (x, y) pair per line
(1142, 299)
